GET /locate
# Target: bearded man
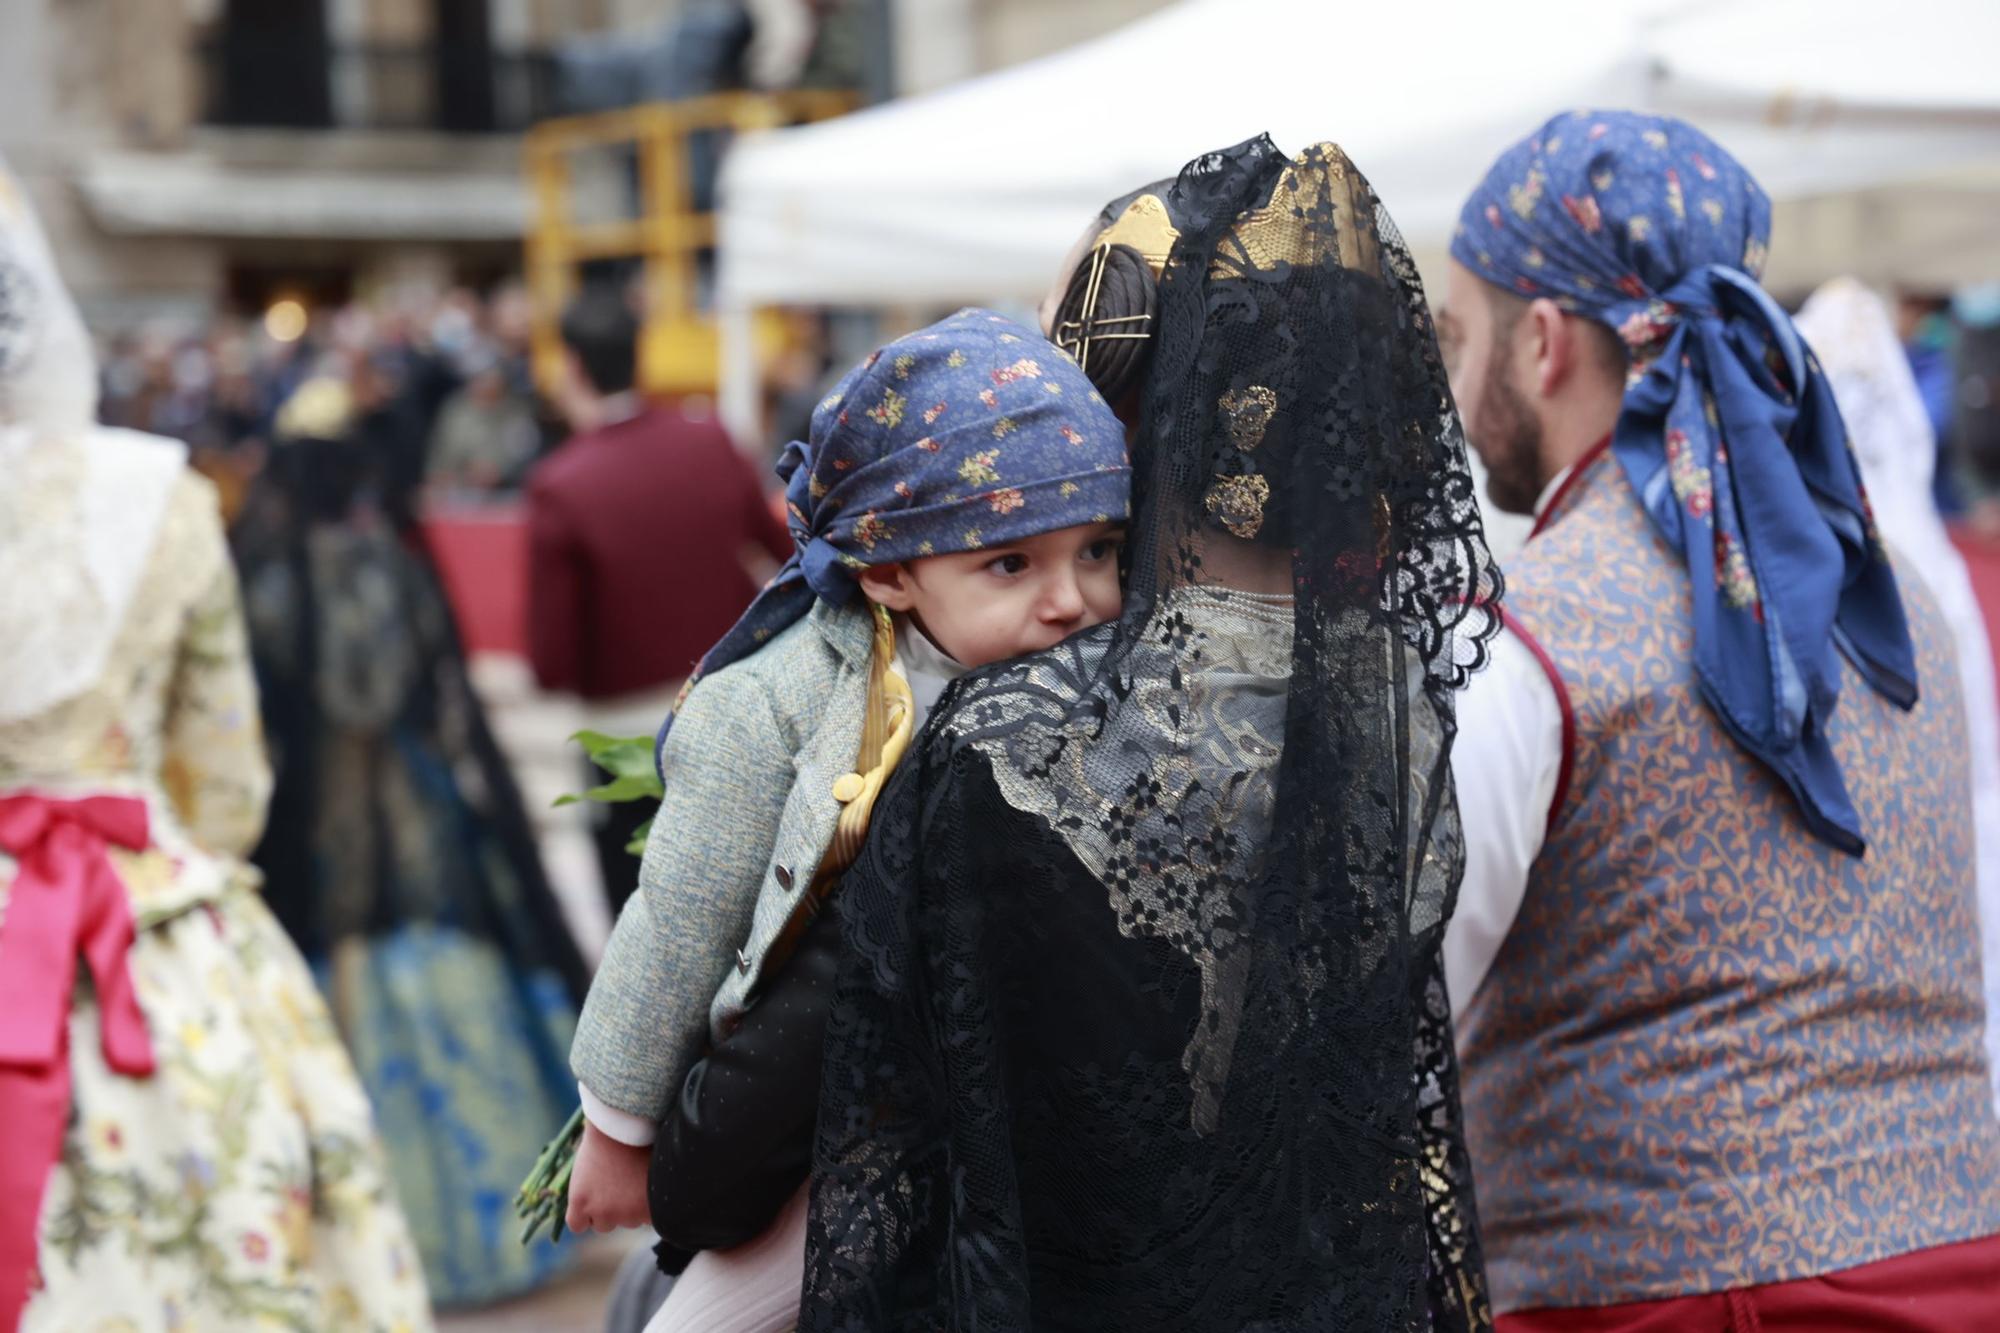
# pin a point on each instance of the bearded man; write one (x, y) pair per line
(1716, 955)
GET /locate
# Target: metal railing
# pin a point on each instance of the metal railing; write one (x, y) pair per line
(668, 231)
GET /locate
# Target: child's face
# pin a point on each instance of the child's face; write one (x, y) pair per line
(1002, 601)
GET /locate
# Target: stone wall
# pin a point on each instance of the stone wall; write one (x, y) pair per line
(1011, 31)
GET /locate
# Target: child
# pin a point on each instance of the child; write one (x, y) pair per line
(966, 478)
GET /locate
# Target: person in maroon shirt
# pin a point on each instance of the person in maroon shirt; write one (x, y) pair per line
(644, 529)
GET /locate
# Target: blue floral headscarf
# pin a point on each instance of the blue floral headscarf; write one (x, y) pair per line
(1729, 434)
(973, 432)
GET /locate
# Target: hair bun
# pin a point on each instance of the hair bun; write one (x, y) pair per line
(1105, 321)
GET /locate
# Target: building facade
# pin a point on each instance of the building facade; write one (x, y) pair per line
(189, 155)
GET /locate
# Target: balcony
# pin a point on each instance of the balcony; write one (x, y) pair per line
(258, 83)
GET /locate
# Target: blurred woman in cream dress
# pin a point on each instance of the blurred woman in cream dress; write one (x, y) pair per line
(184, 1143)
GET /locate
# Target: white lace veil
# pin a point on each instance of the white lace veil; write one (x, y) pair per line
(79, 504)
(1849, 328)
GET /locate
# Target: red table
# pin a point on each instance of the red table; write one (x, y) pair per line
(481, 552)
(1982, 561)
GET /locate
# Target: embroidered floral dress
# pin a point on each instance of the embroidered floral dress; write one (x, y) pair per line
(241, 1185)
(400, 860)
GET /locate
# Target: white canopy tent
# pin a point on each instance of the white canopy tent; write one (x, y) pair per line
(974, 192)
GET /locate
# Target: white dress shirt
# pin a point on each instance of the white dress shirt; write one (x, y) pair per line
(1506, 761)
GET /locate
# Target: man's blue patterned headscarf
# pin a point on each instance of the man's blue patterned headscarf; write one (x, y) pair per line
(971, 433)
(1729, 433)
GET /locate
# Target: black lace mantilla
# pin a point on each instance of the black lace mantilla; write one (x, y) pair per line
(1142, 1023)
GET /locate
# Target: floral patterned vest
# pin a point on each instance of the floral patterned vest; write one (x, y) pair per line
(1714, 1052)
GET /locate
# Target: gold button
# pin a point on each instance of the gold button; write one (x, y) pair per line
(846, 787)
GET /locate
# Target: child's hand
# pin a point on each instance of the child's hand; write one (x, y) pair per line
(607, 1188)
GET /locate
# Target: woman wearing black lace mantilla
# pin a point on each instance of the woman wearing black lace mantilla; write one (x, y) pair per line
(1140, 1022)
(1138, 1015)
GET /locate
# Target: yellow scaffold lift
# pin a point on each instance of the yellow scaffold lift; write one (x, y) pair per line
(678, 349)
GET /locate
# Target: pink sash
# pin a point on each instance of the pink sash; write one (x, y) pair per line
(66, 899)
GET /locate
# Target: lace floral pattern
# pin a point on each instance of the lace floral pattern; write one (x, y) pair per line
(1176, 853)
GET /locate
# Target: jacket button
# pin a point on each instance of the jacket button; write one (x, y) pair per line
(846, 787)
(742, 961)
(785, 878)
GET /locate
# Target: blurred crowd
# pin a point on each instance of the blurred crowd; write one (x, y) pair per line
(1953, 345)
(439, 380)
(442, 381)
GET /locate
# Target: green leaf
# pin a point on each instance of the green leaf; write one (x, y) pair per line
(629, 762)
(622, 789)
(620, 756)
(639, 835)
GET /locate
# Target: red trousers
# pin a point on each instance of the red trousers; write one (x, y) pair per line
(1950, 1289)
